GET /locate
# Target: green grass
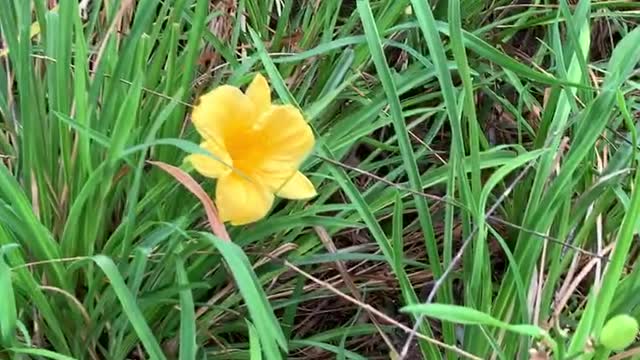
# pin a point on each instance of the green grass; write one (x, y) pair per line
(458, 146)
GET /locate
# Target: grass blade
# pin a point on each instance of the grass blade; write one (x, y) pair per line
(8, 312)
(187, 315)
(267, 325)
(130, 307)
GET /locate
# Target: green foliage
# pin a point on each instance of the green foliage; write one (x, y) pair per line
(104, 256)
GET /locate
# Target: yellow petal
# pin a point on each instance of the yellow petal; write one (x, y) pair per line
(222, 113)
(212, 167)
(286, 140)
(286, 132)
(242, 201)
(297, 188)
(259, 93)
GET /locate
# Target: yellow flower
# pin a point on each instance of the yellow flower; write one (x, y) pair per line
(259, 147)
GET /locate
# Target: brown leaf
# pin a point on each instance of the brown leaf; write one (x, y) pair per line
(188, 182)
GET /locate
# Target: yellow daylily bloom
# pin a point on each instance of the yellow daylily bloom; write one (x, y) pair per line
(258, 147)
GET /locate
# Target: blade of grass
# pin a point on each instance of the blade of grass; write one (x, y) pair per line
(130, 307)
(255, 350)
(8, 312)
(187, 315)
(267, 326)
(399, 124)
(40, 352)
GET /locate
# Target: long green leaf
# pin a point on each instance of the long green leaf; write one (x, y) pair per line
(130, 307)
(187, 316)
(8, 312)
(267, 325)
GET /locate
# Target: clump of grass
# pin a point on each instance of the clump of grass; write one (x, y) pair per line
(475, 167)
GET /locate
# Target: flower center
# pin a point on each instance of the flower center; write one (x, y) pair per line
(248, 150)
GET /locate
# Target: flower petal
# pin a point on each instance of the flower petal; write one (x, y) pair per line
(286, 132)
(242, 201)
(223, 112)
(297, 188)
(286, 139)
(208, 166)
(259, 93)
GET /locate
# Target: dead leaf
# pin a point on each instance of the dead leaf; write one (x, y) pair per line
(188, 182)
